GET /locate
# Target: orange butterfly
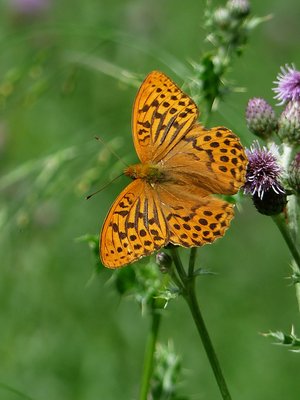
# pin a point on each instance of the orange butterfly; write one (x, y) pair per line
(182, 164)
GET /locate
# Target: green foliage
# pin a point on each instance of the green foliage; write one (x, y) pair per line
(66, 76)
(166, 373)
(144, 282)
(228, 30)
(289, 340)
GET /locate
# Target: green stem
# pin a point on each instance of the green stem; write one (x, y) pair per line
(14, 391)
(191, 299)
(208, 346)
(297, 288)
(279, 220)
(176, 280)
(149, 355)
(178, 264)
(192, 260)
(292, 204)
(293, 216)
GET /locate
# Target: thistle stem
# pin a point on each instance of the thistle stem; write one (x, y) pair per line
(279, 221)
(292, 205)
(179, 265)
(18, 393)
(297, 288)
(149, 355)
(293, 215)
(208, 346)
(285, 231)
(191, 299)
(192, 260)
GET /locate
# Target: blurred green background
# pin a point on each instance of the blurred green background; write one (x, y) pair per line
(65, 77)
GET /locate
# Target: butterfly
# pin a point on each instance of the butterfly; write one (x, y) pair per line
(182, 165)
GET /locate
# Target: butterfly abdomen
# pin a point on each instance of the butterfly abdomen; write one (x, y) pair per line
(147, 172)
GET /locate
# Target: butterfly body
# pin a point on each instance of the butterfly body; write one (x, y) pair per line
(183, 164)
(151, 173)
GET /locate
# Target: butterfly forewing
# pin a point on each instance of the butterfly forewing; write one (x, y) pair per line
(162, 115)
(212, 159)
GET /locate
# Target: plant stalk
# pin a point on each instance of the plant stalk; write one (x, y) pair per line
(191, 299)
(149, 355)
(287, 235)
(207, 343)
(279, 221)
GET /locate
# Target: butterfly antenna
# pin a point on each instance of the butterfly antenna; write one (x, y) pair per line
(104, 186)
(111, 150)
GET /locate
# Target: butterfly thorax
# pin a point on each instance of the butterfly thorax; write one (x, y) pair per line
(148, 172)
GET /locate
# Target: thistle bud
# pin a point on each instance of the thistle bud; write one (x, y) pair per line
(260, 117)
(272, 203)
(222, 17)
(164, 261)
(240, 8)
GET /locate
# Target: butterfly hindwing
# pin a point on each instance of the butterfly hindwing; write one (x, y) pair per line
(134, 227)
(193, 219)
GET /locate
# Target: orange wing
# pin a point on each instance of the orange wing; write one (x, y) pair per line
(203, 163)
(162, 115)
(134, 227)
(193, 219)
(211, 159)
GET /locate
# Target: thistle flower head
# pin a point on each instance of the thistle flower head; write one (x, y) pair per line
(222, 17)
(263, 171)
(287, 84)
(260, 117)
(241, 8)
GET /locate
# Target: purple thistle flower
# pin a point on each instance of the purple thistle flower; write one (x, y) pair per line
(29, 7)
(263, 171)
(288, 84)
